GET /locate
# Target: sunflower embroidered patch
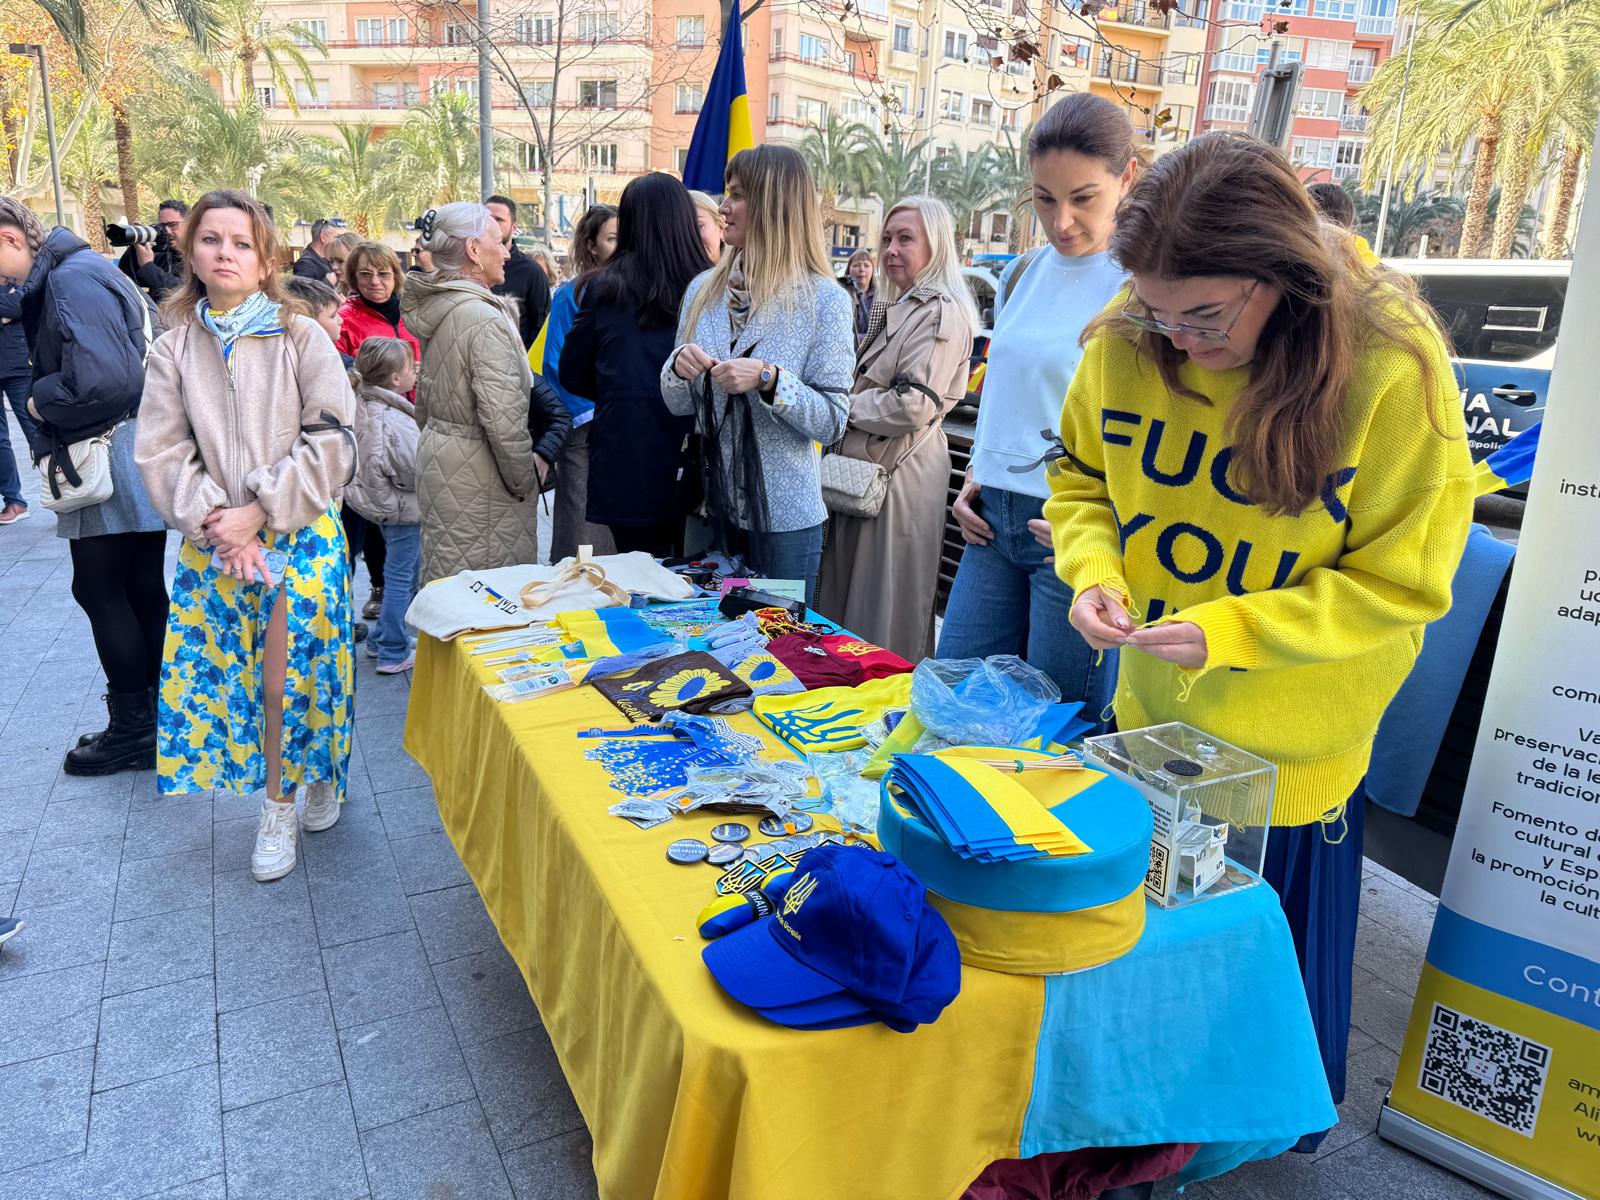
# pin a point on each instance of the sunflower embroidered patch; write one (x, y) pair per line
(690, 682)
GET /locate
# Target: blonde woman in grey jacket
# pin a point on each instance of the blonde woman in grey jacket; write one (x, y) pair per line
(244, 443)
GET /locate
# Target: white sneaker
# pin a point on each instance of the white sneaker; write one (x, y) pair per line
(322, 808)
(275, 842)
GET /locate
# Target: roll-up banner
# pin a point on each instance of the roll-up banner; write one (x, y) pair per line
(1500, 1075)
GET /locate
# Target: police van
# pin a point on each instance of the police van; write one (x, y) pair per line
(1502, 317)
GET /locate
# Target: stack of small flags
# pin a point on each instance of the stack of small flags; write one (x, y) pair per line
(982, 813)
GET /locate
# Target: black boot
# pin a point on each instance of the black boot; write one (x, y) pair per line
(85, 739)
(129, 742)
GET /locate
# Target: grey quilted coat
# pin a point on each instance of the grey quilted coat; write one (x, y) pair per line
(475, 470)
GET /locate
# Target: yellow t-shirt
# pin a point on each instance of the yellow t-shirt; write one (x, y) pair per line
(1312, 622)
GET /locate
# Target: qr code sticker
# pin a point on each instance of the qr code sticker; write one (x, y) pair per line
(1497, 1074)
(1155, 880)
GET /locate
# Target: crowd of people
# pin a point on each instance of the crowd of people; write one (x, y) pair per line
(1200, 489)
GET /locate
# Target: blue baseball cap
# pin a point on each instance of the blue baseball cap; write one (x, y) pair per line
(854, 941)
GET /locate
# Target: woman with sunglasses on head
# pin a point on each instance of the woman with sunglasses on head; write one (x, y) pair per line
(1006, 598)
(1263, 501)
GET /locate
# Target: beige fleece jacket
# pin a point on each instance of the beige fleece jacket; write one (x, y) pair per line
(220, 434)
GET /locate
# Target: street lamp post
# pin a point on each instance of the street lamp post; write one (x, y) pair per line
(35, 51)
(485, 104)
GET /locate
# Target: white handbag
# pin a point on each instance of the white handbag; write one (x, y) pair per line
(853, 487)
(91, 463)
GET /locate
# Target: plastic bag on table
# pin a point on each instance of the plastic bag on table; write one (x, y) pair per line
(994, 701)
(852, 800)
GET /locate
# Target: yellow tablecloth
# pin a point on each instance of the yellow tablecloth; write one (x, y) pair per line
(687, 1095)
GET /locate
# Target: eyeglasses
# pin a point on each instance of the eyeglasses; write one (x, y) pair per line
(1202, 333)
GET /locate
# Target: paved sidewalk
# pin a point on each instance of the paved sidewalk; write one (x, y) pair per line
(168, 1027)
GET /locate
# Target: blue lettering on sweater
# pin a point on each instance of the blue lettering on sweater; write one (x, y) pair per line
(1166, 542)
(1191, 459)
(1219, 476)
(1108, 415)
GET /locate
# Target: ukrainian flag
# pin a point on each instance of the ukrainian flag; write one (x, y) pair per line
(1511, 465)
(724, 125)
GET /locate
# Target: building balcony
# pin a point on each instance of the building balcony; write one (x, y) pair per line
(1375, 26)
(1354, 122)
(788, 61)
(1137, 16)
(1360, 73)
(1131, 71)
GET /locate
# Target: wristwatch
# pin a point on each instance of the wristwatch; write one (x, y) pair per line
(769, 378)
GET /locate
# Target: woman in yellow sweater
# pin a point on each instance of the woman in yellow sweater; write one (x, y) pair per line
(1264, 494)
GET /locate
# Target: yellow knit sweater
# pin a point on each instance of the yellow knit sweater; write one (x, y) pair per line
(1311, 622)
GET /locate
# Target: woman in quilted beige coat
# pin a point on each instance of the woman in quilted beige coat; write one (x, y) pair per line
(477, 474)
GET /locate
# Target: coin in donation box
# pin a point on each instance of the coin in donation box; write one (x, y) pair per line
(730, 831)
(724, 853)
(687, 850)
(795, 822)
(1182, 766)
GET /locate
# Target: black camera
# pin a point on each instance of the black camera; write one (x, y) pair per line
(134, 235)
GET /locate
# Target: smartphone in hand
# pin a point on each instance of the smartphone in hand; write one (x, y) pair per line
(276, 561)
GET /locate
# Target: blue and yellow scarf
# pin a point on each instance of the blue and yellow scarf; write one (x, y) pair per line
(254, 316)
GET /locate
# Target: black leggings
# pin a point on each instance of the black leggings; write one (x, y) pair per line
(365, 539)
(119, 579)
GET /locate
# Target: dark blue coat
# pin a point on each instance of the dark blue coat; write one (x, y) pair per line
(14, 358)
(85, 325)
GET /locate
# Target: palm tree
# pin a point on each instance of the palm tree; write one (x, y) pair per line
(432, 158)
(85, 170)
(247, 37)
(1519, 56)
(351, 165)
(891, 170)
(1555, 237)
(967, 183)
(832, 150)
(1013, 181)
(1410, 217)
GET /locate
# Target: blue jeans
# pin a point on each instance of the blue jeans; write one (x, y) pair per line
(1007, 599)
(793, 555)
(401, 563)
(16, 388)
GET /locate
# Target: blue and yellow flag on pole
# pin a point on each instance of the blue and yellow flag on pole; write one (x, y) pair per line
(724, 125)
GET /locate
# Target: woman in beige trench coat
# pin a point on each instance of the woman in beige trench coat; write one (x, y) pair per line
(879, 575)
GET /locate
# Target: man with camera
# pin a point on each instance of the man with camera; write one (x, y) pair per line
(152, 259)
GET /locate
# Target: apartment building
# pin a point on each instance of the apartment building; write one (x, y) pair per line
(1339, 44)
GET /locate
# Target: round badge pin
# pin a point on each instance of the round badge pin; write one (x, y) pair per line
(687, 850)
(795, 822)
(730, 831)
(1182, 766)
(724, 853)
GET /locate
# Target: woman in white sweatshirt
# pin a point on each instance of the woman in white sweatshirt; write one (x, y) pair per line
(1006, 598)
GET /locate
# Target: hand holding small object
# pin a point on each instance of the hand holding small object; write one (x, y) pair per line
(738, 375)
(1182, 643)
(1100, 618)
(692, 362)
(232, 528)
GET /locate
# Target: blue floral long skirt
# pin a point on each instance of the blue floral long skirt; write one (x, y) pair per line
(210, 726)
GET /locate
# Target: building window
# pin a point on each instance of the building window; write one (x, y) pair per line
(813, 48)
(680, 156)
(902, 97)
(1075, 52)
(858, 108)
(951, 105)
(777, 43)
(1229, 100)
(1179, 68)
(1289, 50)
(847, 237)
(989, 44)
(850, 61)
(537, 30)
(597, 27)
(1337, 10)
(1009, 118)
(1312, 152)
(691, 32)
(691, 98)
(267, 96)
(772, 107)
(1320, 102)
(811, 112)
(902, 39)
(311, 95)
(1347, 157)
(1194, 20)
(538, 92)
(309, 33)
(1248, 11)
(467, 85)
(1375, 16)
(1362, 64)
(457, 34)
(999, 227)
(528, 157)
(394, 95)
(1327, 54)
(1240, 58)
(982, 112)
(597, 93)
(600, 156)
(955, 44)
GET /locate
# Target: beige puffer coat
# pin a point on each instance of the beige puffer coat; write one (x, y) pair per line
(475, 469)
(384, 490)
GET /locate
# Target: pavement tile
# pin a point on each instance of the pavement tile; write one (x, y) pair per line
(233, 841)
(46, 1105)
(377, 978)
(230, 806)
(271, 961)
(1390, 954)
(355, 846)
(1368, 1076)
(160, 949)
(486, 995)
(560, 1168)
(427, 863)
(438, 1154)
(1382, 1010)
(152, 1136)
(71, 873)
(240, 903)
(453, 923)
(157, 885)
(14, 849)
(365, 904)
(1397, 909)
(86, 819)
(22, 808)
(303, 1145)
(168, 828)
(381, 695)
(70, 787)
(155, 1032)
(409, 812)
(215, 1188)
(1374, 1167)
(402, 1066)
(521, 1088)
(58, 935)
(49, 1013)
(276, 1048)
(1288, 1175)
